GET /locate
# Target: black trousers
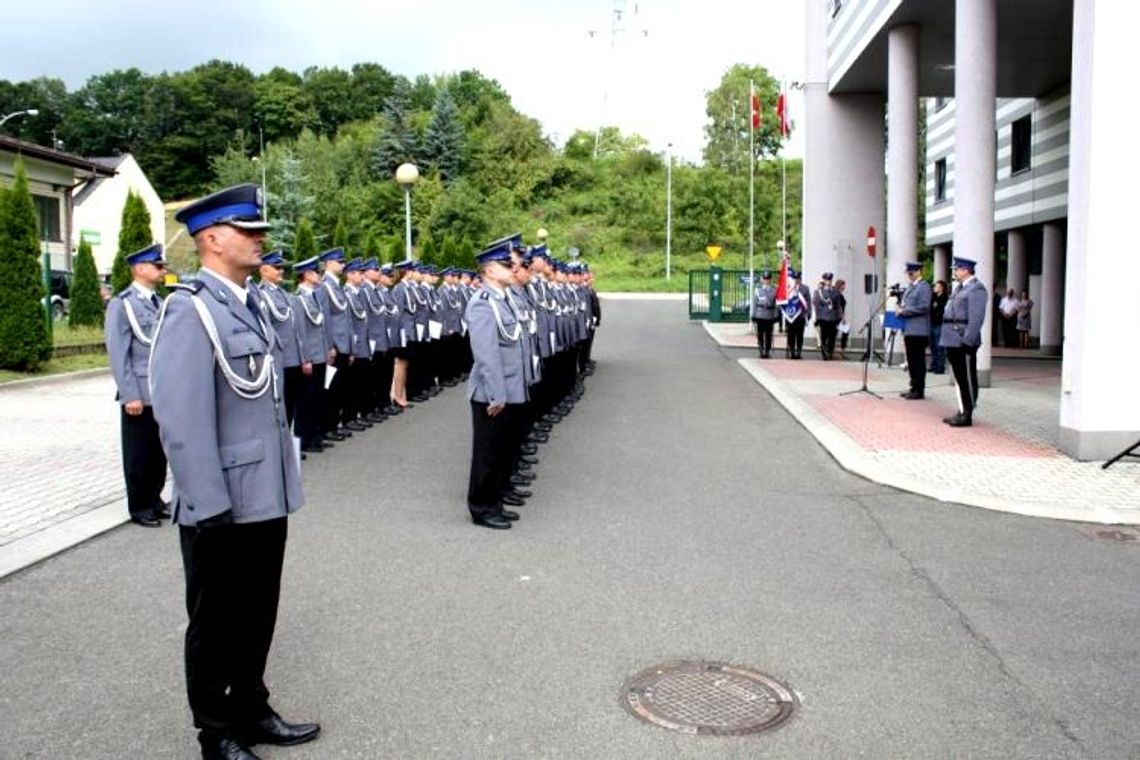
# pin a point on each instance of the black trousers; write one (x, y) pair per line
(381, 382)
(144, 462)
(293, 381)
(796, 336)
(492, 457)
(828, 332)
(916, 361)
(310, 414)
(764, 335)
(336, 396)
(233, 582)
(359, 392)
(964, 364)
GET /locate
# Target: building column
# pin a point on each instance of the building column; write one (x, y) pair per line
(975, 103)
(1099, 413)
(1049, 309)
(902, 149)
(843, 175)
(942, 263)
(1017, 269)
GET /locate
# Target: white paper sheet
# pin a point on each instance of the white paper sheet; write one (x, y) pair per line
(330, 371)
(435, 329)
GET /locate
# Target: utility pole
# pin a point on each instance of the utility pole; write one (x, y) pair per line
(617, 26)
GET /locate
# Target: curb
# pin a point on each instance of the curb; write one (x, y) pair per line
(644, 296)
(29, 550)
(854, 459)
(62, 377)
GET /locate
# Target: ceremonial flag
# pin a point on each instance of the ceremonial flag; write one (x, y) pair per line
(782, 285)
(782, 114)
(755, 101)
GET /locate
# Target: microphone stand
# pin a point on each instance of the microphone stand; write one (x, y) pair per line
(869, 328)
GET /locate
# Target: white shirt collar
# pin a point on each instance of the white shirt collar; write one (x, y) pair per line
(143, 289)
(238, 290)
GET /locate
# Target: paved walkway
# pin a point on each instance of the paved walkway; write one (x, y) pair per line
(1008, 461)
(679, 512)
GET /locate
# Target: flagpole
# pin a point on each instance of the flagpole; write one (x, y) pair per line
(784, 163)
(751, 183)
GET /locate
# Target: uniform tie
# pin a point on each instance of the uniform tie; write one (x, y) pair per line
(254, 309)
(154, 300)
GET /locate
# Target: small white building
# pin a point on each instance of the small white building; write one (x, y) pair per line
(99, 208)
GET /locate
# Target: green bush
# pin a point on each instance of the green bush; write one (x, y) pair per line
(86, 307)
(24, 340)
(134, 235)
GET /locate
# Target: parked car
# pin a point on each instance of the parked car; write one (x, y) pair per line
(60, 293)
(105, 288)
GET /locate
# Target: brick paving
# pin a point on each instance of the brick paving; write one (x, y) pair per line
(60, 454)
(1008, 461)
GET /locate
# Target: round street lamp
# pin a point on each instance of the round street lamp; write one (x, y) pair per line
(14, 114)
(406, 176)
(542, 234)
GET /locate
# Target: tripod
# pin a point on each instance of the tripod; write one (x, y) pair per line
(869, 327)
(1128, 453)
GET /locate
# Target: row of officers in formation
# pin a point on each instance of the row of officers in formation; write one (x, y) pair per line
(231, 382)
(960, 333)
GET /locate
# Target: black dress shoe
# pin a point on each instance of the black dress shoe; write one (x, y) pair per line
(529, 448)
(543, 427)
(494, 522)
(392, 410)
(146, 520)
(513, 501)
(334, 436)
(354, 425)
(275, 730)
(527, 459)
(912, 396)
(509, 515)
(225, 748)
(960, 420)
(518, 493)
(551, 417)
(162, 512)
(538, 438)
(521, 481)
(420, 398)
(313, 448)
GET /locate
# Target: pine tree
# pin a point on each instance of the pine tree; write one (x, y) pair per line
(467, 253)
(443, 141)
(305, 245)
(134, 235)
(396, 249)
(86, 306)
(291, 204)
(397, 143)
(428, 254)
(24, 339)
(340, 237)
(448, 253)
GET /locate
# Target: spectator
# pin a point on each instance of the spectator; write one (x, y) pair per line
(937, 307)
(1024, 319)
(1008, 308)
(844, 327)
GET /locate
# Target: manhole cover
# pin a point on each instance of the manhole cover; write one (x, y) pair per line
(708, 698)
(1115, 535)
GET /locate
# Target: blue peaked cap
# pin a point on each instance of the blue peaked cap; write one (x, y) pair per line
(273, 258)
(332, 254)
(355, 265)
(308, 265)
(961, 263)
(152, 254)
(386, 268)
(913, 266)
(500, 250)
(514, 240)
(238, 206)
(371, 264)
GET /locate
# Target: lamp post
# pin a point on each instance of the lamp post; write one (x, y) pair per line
(406, 176)
(669, 214)
(264, 197)
(542, 235)
(14, 114)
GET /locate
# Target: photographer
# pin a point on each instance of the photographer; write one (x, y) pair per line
(914, 309)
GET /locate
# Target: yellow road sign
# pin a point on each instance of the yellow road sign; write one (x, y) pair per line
(713, 251)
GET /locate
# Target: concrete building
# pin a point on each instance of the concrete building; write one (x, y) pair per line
(53, 177)
(99, 208)
(1024, 175)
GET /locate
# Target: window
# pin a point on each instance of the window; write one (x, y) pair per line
(47, 213)
(1021, 145)
(940, 180)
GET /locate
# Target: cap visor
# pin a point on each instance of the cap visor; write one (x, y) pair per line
(258, 226)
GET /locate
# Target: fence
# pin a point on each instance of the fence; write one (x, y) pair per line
(720, 295)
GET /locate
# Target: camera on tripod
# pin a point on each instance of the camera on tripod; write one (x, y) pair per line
(896, 291)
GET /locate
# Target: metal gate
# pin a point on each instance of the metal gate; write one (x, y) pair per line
(720, 295)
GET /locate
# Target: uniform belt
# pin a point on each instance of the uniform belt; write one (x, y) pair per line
(955, 321)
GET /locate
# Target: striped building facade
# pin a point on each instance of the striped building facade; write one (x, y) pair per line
(1022, 173)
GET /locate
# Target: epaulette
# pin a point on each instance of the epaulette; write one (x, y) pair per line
(484, 295)
(190, 286)
(125, 293)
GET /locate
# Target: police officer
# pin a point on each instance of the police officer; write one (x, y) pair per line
(279, 311)
(314, 351)
(764, 313)
(216, 384)
(914, 308)
(496, 389)
(795, 331)
(406, 338)
(356, 389)
(379, 337)
(338, 335)
(130, 321)
(825, 304)
(962, 324)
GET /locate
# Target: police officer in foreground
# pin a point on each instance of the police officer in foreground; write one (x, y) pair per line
(962, 324)
(764, 313)
(799, 317)
(496, 388)
(825, 303)
(216, 385)
(914, 308)
(130, 322)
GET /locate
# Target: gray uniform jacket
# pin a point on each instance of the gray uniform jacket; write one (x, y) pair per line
(358, 316)
(128, 354)
(545, 306)
(825, 303)
(524, 310)
(283, 319)
(424, 313)
(310, 335)
(497, 375)
(226, 452)
(915, 309)
(453, 306)
(377, 317)
(334, 305)
(405, 298)
(965, 315)
(764, 303)
(805, 294)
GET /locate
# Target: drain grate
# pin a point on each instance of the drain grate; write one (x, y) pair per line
(696, 697)
(1115, 535)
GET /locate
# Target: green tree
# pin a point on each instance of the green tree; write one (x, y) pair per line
(449, 252)
(727, 133)
(397, 249)
(397, 143)
(86, 305)
(443, 141)
(134, 235)
(24, 340)
(427, 250)
(340, 237)
(305, 245)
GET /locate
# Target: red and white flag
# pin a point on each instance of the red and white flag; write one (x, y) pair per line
(754, 99)
(782, 285)
(782, 114)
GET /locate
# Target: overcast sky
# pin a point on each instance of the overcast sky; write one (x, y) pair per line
(652, 81)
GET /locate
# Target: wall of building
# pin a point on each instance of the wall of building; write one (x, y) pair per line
(851, 25)
(102, 212)
(47, 181)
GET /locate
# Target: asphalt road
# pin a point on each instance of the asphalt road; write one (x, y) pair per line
(679, 513)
